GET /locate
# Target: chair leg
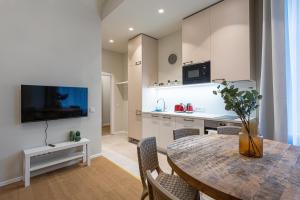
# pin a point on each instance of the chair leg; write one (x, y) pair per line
(144, 195)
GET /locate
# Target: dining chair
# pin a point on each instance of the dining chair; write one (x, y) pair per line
(156, 191)
(148, 160)
(229, 130)
(184, 132)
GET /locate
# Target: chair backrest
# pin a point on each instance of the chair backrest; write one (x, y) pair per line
(184, 132)
(156, 191)
(229, 130)
(147, 157)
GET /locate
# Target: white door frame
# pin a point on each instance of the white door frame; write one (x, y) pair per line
(111, 100)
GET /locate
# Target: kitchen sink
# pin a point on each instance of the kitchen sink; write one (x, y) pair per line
(158, 110)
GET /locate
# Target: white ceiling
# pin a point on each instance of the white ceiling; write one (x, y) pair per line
(142, 15)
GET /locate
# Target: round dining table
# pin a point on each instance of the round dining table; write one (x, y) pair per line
(213, 165)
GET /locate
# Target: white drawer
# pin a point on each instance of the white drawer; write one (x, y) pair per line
(187, 122)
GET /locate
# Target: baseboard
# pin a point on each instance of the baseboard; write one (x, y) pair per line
(96, 156)
(10, 181)
(17, 179)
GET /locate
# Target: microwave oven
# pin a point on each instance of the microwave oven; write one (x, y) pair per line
(196, 73)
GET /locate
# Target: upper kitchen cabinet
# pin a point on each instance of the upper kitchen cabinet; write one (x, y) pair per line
(221, 34)
(230, 40)
(196, 38)
(142, 71)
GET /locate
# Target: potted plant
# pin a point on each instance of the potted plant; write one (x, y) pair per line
(243, 103)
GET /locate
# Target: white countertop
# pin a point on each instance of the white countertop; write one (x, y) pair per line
(198, 115)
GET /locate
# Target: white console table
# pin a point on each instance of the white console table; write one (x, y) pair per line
(28, 167)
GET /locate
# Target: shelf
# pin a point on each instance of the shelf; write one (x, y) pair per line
(183, 86)
(125, 83)
(55, 161)
(43, 161)
(58, 147)
(240, 83)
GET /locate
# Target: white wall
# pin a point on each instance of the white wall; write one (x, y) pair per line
(167, 45)
(113, 63)
(108, 6)
(106, 94)
(49, 42)
(201, 96)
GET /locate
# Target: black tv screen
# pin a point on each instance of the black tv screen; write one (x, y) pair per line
(41, 103)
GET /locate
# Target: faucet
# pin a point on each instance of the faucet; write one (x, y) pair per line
(164, 107)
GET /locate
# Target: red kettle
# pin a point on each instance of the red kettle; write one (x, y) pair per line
(189, 108)
(179, 108)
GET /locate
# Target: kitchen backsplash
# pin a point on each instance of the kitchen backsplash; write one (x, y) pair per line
(200, 96)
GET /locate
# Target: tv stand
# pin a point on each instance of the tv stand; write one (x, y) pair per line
(29, 167)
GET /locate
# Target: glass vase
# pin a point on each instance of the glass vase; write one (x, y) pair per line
(251, 145)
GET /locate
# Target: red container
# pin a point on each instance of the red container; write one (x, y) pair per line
(189, 107)
(179, 108)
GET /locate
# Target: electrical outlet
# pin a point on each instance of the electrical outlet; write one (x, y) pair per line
(92, 109)
(200, 109)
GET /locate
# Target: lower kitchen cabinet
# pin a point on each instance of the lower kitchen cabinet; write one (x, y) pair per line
(182, 122)
(165, 134)
(162, 126)
(151, 124)
(159, 126)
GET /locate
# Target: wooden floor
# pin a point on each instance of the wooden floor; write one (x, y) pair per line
(103, 180)
(106, 130)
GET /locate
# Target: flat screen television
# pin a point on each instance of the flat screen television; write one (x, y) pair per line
(41, 103)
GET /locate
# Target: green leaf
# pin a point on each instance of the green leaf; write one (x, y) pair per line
(243, 103)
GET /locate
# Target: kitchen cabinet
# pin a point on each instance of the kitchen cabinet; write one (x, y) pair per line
(230, 40)
(134, 124)
(142, 71)
(159, 126)
(165, 134)
(135, 51)
(151, 124)
(221, 34)
(135, 88)
(196, 38)
(184, 122)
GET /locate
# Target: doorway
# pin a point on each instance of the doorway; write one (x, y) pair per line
(106, 103)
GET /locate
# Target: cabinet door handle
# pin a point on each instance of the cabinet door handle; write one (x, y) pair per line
(219, 79)
(138, 62)
(222, 124)
(138, 112)
(155, 116)
(188, 120)
(166, 117)
(189, 62)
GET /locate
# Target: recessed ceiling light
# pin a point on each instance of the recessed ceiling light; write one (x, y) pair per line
(161, 11)
(111, 41)
(131, 29)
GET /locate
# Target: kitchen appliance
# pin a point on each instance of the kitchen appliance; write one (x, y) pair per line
(189, 108)
(179, 108)
(196, 73)
(210, 126)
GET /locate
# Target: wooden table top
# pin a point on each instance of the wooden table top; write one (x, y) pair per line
(213, 165)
